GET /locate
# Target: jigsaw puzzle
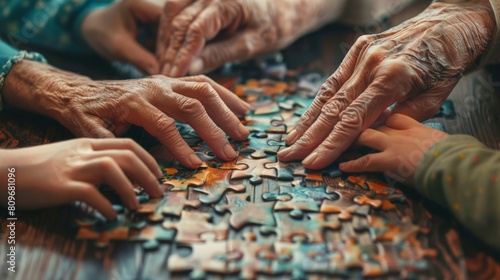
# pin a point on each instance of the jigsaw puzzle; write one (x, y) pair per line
(256, 216)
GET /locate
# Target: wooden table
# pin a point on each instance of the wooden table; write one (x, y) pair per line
(48, 249)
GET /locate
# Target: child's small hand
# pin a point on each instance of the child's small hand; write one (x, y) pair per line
(68, 171)
(401, 143)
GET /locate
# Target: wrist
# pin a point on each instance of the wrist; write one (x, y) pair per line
(38, 88)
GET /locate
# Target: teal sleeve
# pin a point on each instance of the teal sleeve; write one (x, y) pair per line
(54, 24)
(463, 175)
(10, 56)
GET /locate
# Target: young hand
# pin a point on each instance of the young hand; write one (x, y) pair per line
(69, 171)
(401, 143)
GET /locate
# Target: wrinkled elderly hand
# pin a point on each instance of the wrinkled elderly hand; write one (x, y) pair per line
(401, 143)
(197, 36)
(107, 108)
(415, 64)
(112, 31)
(65, 172)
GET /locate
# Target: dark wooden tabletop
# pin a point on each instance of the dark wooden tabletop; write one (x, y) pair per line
(47, 247)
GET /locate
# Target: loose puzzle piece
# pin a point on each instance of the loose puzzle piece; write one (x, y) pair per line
(257, 145)
(310, 228)
(255, 170)
(303, 198)
(152, 235)
(244, 212)
(193, 225)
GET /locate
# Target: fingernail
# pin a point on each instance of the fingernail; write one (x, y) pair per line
(242, 131)
(195, 160)
(284, 152)
(134, 204)
(342, 165)
(291, 136)
(159, 173)
(229, 151)
(160, 190)
(196, 66)
(310, 159)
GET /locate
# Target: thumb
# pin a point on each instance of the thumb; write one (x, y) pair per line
(131, 51)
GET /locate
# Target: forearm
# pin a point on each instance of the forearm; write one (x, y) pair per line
(36, 87)
(298, 17)
(460, 174)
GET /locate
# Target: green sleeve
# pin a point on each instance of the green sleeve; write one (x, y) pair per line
(463, 175)
(54, 24)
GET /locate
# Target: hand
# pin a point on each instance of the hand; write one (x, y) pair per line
(401, 143)
(198, 36)
(107, 108)
(65, 172)
(415, 64)
(112, 31)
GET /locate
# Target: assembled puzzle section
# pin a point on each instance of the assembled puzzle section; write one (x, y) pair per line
(257, 216)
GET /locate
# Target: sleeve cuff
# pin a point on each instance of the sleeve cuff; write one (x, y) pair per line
(427, 178)
(77, 23)
(20, 56)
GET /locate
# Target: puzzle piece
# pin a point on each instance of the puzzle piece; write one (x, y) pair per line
(254, 257)
(305, 258)
(105, 231)
(447, 110)
(152, 235)
(349, 254)
(310, 228)
(364, 200)
(255, 170)
(175, 202)
(388, 230)
(244, 212)
(193, 225)
(212, 194)
(257, 145)
(303, 198)
(344, 206)
(171, 204)
(179, 179)
(204, 258)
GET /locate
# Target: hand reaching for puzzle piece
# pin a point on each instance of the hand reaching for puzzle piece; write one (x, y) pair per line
(65, 172)
(415, 65)
(197, 36)
(105, 109)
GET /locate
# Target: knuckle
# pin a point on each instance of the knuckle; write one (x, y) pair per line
(331, 110)
(365, 161)
(164, 125)
(305, 141)
(106, 163)
(129, 143)
(191, 106)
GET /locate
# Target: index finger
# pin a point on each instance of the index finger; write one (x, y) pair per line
(163, 128)
(358, 116)
(128, 144)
